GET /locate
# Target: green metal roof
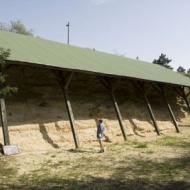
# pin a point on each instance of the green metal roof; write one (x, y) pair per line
(48, 53)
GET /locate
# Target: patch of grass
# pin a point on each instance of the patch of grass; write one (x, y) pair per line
(170, 141)
(116, 147)
(8, 173)
(142, 145)
(150, 152)
(125, 165)
(164, 171)
(125, 145)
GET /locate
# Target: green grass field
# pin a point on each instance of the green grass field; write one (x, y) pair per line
(159, 164)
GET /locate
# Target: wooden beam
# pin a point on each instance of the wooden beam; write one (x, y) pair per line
(71, 118)
(160, 89)
(150, 109)
(151, 114)
(68, 80)
(141, 89)
(4, 120)
(116, 84)
(64, 83)
(107, 83)
(104, 82)
(147, 91)
(118, 113)
(171, 114)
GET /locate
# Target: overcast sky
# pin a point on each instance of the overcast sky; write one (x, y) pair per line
(132, 28)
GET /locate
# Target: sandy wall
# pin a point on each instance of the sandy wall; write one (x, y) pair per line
(38, 119)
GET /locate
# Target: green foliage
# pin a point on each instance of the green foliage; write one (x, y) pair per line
(16, 27)
(5, 90)
(2, 77)
(8, 90)
(4, 54)
(188, 73)
(180, 69)
(163, 61)
(142, 145)
(170, 141)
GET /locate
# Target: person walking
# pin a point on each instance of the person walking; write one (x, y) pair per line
(100, 134)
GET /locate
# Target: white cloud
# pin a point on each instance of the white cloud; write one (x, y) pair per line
(97, 2)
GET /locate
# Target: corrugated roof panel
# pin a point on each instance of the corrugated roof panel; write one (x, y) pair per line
(39, 51)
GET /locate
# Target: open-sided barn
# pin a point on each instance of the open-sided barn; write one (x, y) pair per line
(68, 63)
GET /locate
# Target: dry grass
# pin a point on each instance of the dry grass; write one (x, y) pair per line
(157, 164)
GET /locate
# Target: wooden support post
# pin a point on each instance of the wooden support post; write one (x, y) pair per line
(171, 113)
(111, 89)
(116, 107)
(71, 118)
(161, 90)
(186, 100)
(118, 113)
(141, 88)
(4, 121)
(151, 114)
(64, 85)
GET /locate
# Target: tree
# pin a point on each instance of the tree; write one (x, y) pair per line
(188, 72)
(16, 27)
(180, 70)
(4, 90)
(163, 61)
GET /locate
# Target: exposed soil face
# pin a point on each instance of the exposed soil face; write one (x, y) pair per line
(39, 125)
(38, 120)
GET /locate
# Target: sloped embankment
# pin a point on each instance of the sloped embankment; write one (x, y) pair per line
(38, 120)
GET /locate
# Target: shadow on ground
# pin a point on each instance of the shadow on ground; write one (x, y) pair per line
(102, 184)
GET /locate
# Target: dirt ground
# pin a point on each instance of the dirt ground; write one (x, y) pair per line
(30, 160)
(122, 166)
